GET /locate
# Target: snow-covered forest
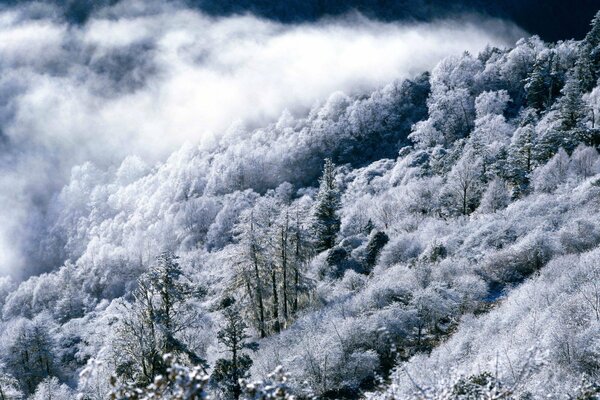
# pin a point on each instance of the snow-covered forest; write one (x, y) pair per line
(432, 236)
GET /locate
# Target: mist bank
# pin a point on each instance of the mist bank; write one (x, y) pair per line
(145, 78)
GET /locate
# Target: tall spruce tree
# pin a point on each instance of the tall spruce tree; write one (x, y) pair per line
(592, 45)
(326, 222)
(593, 36)
(520, 159)
(228, 371)
(536, 86)
(571, 105)
(568, 128)
(152, 323)
(584, 67)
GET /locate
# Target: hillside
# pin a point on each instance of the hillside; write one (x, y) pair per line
(436, 237)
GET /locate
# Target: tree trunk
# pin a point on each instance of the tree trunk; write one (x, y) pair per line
(276, 327)
(234, 366)
(284, 269)
(261, 308)
(296, 266)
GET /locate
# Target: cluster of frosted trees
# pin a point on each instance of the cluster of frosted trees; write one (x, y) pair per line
(345, 245)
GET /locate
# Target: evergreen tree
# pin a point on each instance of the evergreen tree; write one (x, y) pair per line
(326, 220)
(584, 68)
(369, 226)
(536, 87)
(591, 44)
(301, 254)
(520, 158)
(31, 352)
(173, 290)
(593, 36)
(233, 336)
(152, 322)
(249, 255)
(571, 105)
(567, 129)
(376, 243)
(545, 80)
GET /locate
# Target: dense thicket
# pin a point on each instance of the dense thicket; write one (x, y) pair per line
(432, 231)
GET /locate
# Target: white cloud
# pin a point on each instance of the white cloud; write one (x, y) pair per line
(149, 81)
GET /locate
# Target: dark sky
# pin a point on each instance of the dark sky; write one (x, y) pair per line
(551, 19)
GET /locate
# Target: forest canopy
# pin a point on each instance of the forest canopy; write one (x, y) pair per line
(433, 237)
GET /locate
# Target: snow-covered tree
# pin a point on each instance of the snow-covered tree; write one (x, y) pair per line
(29, 351)
(151, 325)
(52, 389)
(326, 223)
(554, 173)
(464, 184)
(520, 161)
(228, 372)
(495, 198)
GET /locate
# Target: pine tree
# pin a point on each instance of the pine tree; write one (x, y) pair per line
(151, 323)
(369, 226)
(249, 255)
(584, 68)
(536, 87)
(591, 43)
(520, 159)
(571, 105)
(593, 36)
(31, 352)
(326, 221)
(233, 336)
(167, 279)
(301, 253)
(567, 129)
(376, 243)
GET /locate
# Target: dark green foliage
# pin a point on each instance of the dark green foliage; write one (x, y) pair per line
(536, 87)
(152, 323)
(544, 82)
(592, 41)
(336, 256)
(589, 390)
(571, 105)
(225, 373)
(338, 261)
(178, 382)
(474, 387)
(521, 158)
(326, 220)
(31, 354)
(376, 243)
(585, 71)
(568, 129)
(369, 227)
(437, 252)
(228, 371)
